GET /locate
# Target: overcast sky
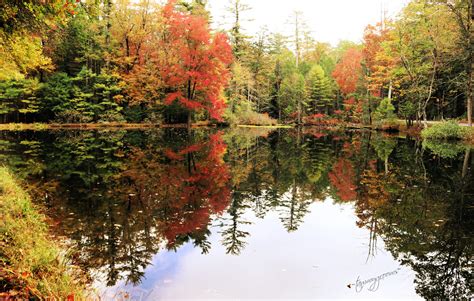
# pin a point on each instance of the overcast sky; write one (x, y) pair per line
(328, 20)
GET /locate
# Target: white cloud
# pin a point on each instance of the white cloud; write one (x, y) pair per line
(328, 20)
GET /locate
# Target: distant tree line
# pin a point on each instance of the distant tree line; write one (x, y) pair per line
(139, 61)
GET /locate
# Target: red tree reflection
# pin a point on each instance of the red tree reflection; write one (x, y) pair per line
(185, 189)
(196, 181)
(342, 179)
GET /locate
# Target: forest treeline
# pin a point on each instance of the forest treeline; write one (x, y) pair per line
(142, 61)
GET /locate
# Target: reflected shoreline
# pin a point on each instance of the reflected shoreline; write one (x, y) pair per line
(125, 196)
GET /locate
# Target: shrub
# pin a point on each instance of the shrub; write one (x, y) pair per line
(111, 116)
(315, 119)
(73, 116)
(231, 118)
(254, 118)
(450, 130)
(249, 117)
(320, 119)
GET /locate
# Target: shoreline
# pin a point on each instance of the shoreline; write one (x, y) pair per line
(122, 126)
(399, 127)
(34, 264)
(127, 126)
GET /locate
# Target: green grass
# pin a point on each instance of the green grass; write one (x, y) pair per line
(32, 265)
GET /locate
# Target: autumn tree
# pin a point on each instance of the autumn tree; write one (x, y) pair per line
(132, 24)
(348, 71)
(378, 63)
(193, 63)
(240, 87)
(22, 23)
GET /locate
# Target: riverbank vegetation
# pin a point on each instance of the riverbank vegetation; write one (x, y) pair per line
(140, 61)
(32, 266)
(448, 131)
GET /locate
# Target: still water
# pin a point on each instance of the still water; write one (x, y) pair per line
(256, 214)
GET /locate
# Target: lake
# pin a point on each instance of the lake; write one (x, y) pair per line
(254, 213)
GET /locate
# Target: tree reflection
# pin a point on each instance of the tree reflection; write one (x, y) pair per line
(123, 197)
(233, 238)
(342, 176)
(423, 211)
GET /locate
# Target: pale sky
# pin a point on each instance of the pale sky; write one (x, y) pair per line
(328, 20)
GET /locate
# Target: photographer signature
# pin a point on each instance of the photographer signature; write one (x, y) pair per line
(373, 283)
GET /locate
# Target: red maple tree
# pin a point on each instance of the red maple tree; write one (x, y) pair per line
(348, 71)
(193, 64)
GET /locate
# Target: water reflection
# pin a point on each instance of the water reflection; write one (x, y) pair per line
(138, 204)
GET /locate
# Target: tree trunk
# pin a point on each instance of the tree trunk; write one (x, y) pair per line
(298, 136)
(369, 105)
(470, 63)
(299, 111)
(108, 26)
(469, 92)
(189, 122)
(435, 68)
(390, 90)
(465, 166)
(425, 118)
(297, 38)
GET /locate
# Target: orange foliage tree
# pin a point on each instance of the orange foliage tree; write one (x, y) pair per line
(378, 63)
(348, 71)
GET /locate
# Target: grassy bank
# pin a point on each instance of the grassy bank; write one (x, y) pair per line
(31, 264)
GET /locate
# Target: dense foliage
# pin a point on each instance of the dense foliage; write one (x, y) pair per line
(137, 61)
